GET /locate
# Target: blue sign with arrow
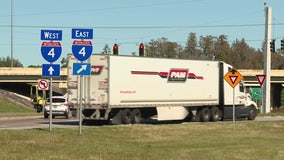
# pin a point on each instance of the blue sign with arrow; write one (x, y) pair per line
(82, 50)
(51, 70)
(51, 51)
(82, 69)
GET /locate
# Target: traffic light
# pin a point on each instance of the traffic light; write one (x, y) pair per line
(115, 49)
(141, 49)
(272, 45)
(282, 45)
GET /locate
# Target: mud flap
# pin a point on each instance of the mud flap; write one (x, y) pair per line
(117, 119)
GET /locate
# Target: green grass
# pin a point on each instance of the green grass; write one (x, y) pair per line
(213, 141)
(9, 109)
(276, 112)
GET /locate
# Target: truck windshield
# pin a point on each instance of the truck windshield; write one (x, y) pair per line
(242, 88)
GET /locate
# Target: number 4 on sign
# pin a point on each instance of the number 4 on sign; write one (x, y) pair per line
(83, 51)
(51, 53)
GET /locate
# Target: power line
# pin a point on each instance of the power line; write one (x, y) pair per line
(148, 27)
(117, 7)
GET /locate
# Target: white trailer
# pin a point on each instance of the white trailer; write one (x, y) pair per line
(125, 89)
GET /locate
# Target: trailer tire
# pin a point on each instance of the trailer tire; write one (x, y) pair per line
(126, 116)
(204, 115)
(252, 113)
(74, 113)
(136, 116)
(214, 114)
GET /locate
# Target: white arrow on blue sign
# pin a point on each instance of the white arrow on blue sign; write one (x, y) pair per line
(82, 69)
(82, 50)
(51, 70)
(51, 51)
(52, 35)
(82, 33)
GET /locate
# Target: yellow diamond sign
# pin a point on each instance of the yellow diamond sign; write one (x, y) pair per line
(233, 77)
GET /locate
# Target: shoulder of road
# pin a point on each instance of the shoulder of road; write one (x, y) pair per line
(19, 117)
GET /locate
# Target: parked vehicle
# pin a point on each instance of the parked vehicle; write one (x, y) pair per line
(59, 107)
(125, 89)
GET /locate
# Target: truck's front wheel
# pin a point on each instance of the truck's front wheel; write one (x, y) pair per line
(252, 113)
(39, 108)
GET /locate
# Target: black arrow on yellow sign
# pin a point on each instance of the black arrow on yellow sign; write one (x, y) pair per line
(233, 77)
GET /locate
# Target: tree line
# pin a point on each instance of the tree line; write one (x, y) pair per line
(238, 53)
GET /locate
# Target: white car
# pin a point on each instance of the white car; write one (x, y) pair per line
(59, 107)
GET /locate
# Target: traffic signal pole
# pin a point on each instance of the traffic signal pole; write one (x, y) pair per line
(267, 61)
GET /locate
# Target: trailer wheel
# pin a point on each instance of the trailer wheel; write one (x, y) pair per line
(252, 113)
(136, 116)
(204, 115)
(214, 114)
(74, 113)
(126, 116)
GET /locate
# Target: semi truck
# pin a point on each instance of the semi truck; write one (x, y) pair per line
(128, 89)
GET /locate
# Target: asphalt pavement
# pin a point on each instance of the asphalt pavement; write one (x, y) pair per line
(60, 122)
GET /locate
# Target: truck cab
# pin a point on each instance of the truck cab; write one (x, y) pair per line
(38, 98)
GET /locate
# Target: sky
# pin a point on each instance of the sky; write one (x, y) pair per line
(130, 22)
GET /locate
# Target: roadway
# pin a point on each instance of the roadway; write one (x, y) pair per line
(40, 122)
(35, 122)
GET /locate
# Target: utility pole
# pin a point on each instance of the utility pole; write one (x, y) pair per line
(12, 35)
(267, 61)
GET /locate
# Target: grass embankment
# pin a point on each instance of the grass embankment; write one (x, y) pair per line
(276, 112)
(214, 141)
(8, 109)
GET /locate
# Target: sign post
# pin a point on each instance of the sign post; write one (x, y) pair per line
(51, 52)
(261, 79)
(43, 85)
(233, 77)
(81, 50)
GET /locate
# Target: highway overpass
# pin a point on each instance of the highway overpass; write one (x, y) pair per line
(24, 77)
(31, 75)
(20, 79)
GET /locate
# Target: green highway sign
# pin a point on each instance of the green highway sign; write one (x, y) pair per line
(257, 93)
